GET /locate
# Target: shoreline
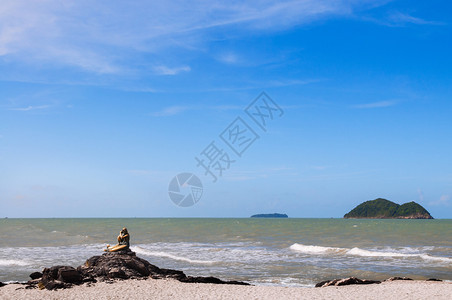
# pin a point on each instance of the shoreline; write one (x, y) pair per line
(173, 289)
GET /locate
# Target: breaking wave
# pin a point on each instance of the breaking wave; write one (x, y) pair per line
(13, 262)
(311, 249)
(143, 251)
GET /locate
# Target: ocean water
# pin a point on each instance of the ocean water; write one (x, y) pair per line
(284, 252)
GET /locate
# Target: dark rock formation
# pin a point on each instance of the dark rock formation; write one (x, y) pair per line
(385, 209)
(275, 215)
(433, 279)
(354, 280)
(121, 264)
(398, 278)
(2, 284)
(345, 281)
(35, 275)
(58, 277)
(112, 265)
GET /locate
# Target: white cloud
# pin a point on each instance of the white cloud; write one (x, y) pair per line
(177, 109)
(164, 70)
(399, 18)
(109, 37)
(253, 85)
(30, 107)
(228, 58)
(379, 104)
(444, 200)
(421, 195)
(227, 107)
(170, 111)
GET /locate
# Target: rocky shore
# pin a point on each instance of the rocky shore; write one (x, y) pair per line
(111, 266)
(93, 279)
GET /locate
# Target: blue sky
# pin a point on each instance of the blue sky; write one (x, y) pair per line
(102, 103)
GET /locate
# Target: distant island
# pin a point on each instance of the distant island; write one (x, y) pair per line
(384, 209)
(275, 215)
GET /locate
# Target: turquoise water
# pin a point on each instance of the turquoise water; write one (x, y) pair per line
(286, 252)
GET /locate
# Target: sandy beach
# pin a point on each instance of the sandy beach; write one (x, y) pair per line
(172, 289)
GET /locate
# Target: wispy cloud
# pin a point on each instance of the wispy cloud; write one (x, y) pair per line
(228, 58)
(170, 111)
(109, 38)
(444, 200)
(30, 107)
(226, 107)
(398, 18)
(164, 70)
(178, 109)
(379, 104)
(263, 85)
(421, 195)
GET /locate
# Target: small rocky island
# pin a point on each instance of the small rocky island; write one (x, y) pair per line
(384, 209)
(274, 215)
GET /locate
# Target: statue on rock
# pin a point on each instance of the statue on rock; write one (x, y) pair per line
(123, 242)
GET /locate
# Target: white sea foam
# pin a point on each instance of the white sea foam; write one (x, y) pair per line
(310, 249)
(369, 253)
(143, 251)
(13, 262)
(436, 258)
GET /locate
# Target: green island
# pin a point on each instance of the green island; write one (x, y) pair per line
(275, 215)
(384, 209)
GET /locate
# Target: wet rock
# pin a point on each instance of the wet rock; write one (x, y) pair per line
(433, 279)
(126, 265)
(211, 279)
(110, 266)
(346, 281)
(2, 284)
(398, 278)
(35, 275)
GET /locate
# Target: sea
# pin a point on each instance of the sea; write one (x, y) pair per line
(279, 252)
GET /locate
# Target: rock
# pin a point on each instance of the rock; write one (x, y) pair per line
(2, 284)
(121, 264)
(398, 278)
(110, 266)
(59, 277)
(35, 275)
(33, 282)
(433, 279)
(346, 281)
(69, 275)
(211, 279)
(322, 283)
(54, 285)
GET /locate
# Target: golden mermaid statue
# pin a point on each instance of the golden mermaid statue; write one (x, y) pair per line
(123, 242)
